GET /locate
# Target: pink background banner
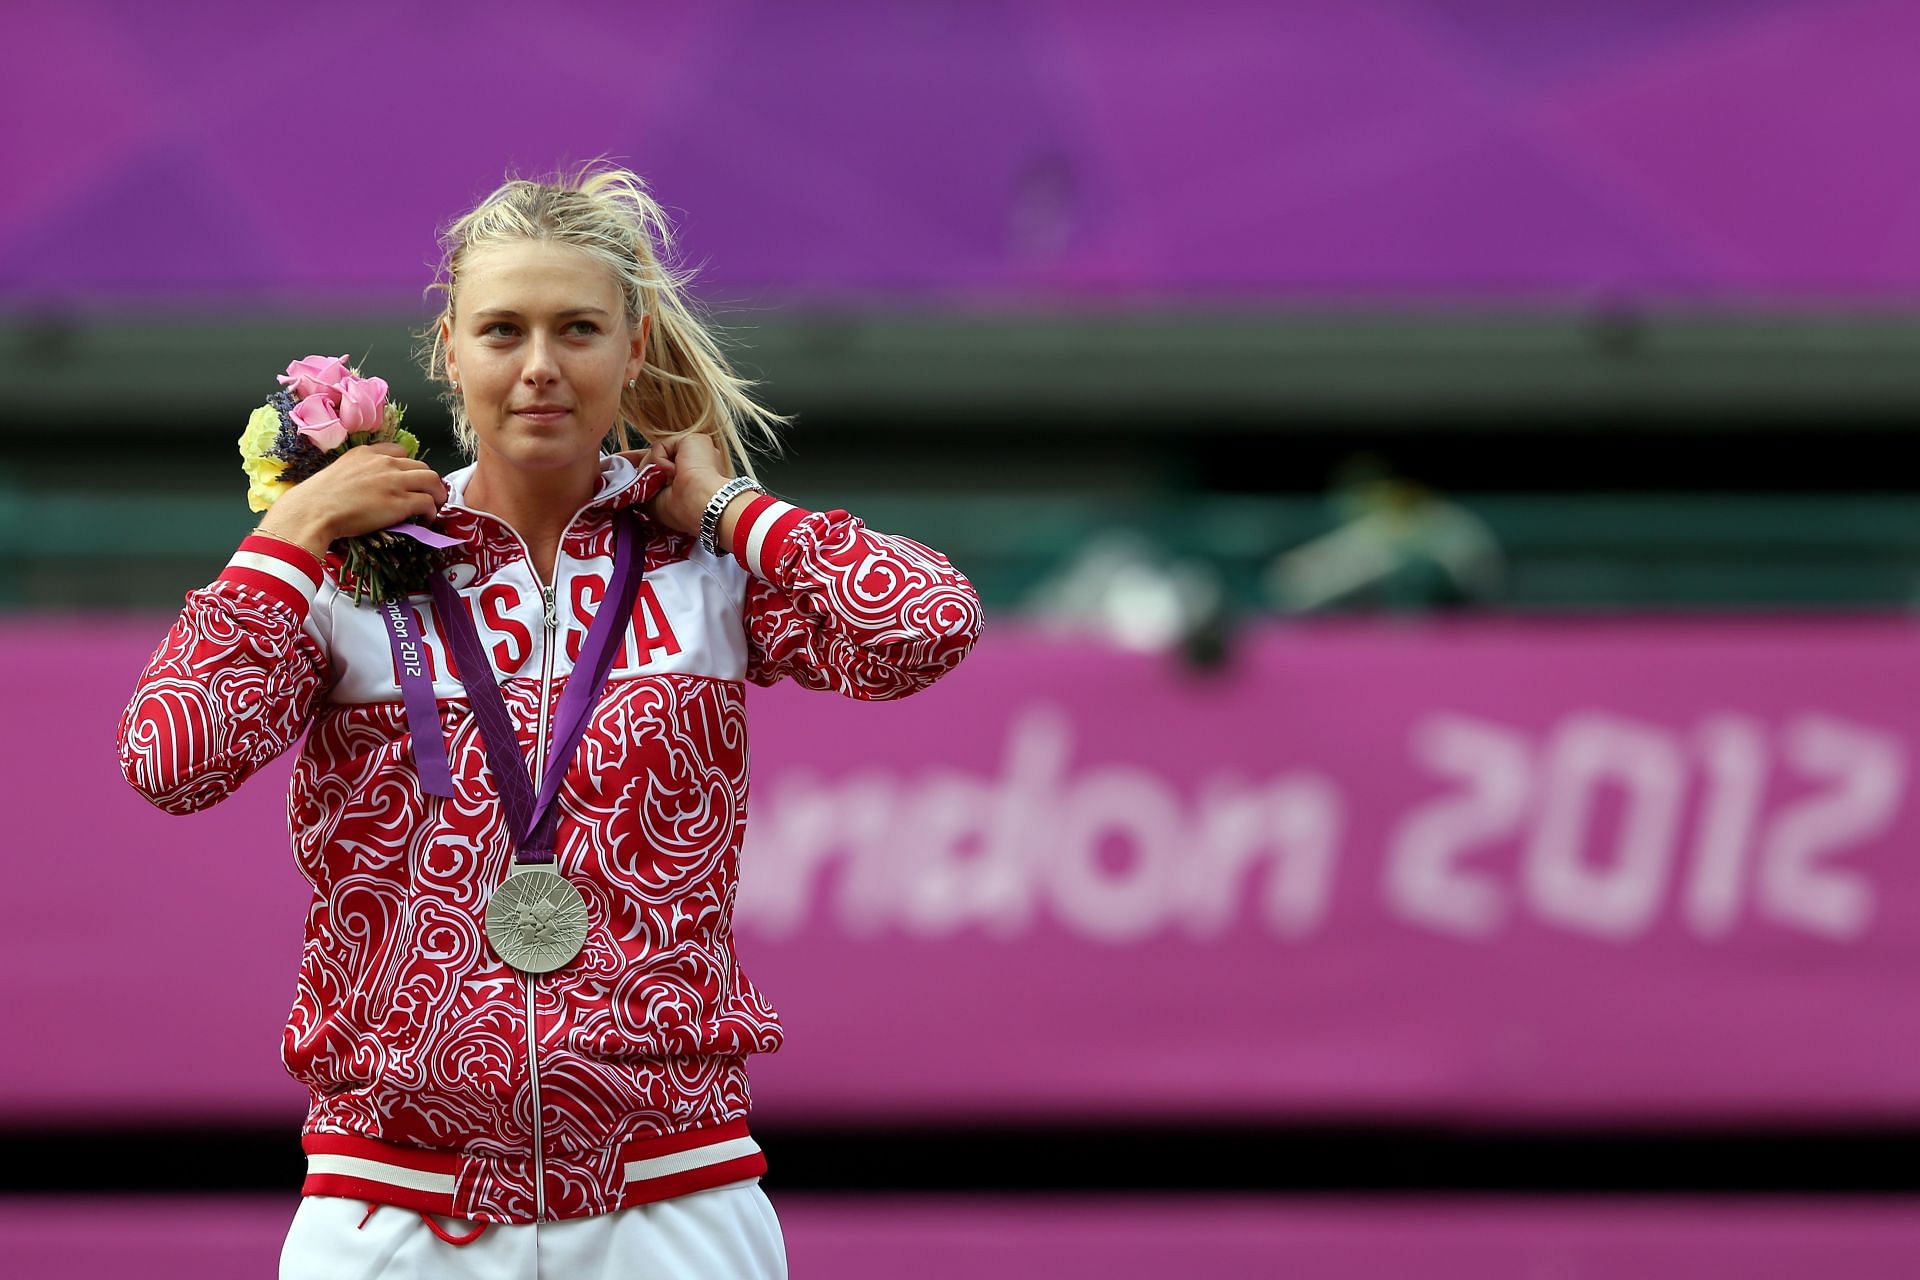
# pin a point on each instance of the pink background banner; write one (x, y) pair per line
(1512, 870)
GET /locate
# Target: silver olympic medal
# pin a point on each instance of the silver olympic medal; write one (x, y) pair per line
(536, 921)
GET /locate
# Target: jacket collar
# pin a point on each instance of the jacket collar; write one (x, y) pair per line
(623, 484)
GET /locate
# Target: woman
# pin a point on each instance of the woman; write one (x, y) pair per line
(464, 1100)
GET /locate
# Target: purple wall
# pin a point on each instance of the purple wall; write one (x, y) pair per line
(1724, 149)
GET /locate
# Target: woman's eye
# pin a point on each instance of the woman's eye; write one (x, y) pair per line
(506, 328)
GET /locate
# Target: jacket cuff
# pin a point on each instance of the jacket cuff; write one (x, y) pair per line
(763, 534)
(278, 570)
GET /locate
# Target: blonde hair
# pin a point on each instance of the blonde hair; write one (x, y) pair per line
(685, 385)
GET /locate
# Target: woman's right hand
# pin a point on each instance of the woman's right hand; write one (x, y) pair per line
(370, 486)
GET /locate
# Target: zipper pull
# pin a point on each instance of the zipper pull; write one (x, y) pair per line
(553, 614)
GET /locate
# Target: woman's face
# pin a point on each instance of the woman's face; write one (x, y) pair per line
(541, 349)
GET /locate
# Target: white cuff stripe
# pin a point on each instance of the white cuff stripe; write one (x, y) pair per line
(373, 1171)
(761, 527)
(697, 1158)
(278, 568)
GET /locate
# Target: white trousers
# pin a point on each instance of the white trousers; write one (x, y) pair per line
(728, 1233)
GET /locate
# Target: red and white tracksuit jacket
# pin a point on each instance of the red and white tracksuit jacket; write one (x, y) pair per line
(441, 1079)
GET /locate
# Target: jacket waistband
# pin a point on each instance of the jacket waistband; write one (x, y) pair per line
(654, 1168)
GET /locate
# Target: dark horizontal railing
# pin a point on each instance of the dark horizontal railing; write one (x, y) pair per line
(132, 548)
(1523, 367)
(1351, 1159)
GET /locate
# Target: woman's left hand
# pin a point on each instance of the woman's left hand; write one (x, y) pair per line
(695, 469)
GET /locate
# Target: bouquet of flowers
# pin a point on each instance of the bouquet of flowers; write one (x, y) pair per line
(325, 408)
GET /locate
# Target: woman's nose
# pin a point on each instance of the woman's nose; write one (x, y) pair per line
(539, 366)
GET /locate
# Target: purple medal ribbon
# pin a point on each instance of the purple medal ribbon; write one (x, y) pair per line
(532, 820)
(410, 660)
(420, 533)
(423, 712)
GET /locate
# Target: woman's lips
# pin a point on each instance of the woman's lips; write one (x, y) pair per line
(547, 415)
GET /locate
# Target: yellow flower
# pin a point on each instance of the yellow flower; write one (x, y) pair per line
(263, 482)
(263, 428)
(263, 473)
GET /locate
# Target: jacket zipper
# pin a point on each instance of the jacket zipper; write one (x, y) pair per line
(539, 770)
(552, 630)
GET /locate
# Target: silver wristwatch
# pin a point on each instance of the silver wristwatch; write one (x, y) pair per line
(717, 506)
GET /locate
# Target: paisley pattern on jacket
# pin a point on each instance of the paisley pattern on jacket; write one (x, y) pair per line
(405, 1027)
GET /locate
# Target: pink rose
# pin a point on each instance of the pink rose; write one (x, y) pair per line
(317, 375)
(361, 402)
(318, 422)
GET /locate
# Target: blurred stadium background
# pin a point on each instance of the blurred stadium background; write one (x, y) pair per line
(1435, 794)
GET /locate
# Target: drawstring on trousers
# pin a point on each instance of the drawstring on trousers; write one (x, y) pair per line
(432, 1226)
